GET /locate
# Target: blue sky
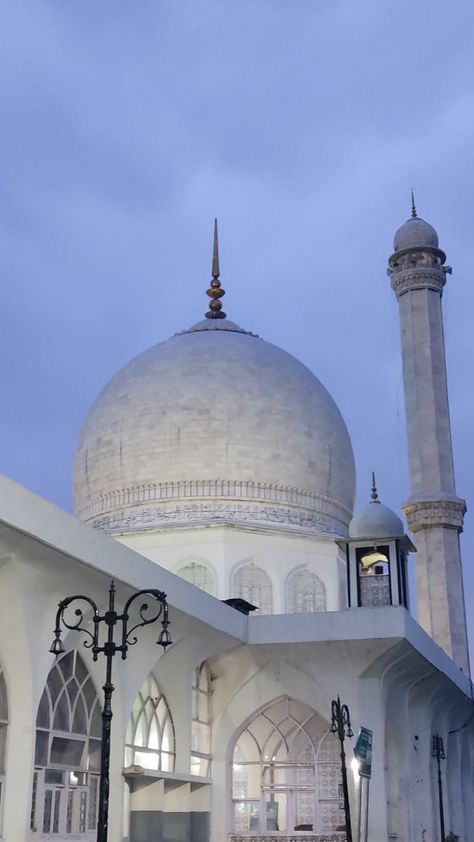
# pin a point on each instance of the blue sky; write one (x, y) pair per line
(125, 127)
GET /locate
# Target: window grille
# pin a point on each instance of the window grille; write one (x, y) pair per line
(254, 585)
(67, 752)
(286, 773)
(150, 739)
(305, 592)
(199, 575)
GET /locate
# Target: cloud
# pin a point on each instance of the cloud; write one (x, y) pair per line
(125, 127)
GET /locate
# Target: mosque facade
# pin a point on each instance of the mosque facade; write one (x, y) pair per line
(217, 468)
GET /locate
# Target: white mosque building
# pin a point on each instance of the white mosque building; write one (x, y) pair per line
(216, 467)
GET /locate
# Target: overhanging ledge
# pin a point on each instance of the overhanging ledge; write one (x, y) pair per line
(387, 623)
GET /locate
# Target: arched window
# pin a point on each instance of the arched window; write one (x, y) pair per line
(201, 723)
(285, 775)
(3, 739)
(67, 754)
(253, 584)
(199, 575)
(150, 733)
(305, 592)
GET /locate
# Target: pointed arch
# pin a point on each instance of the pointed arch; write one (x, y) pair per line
(67, 752)
(201, 722)
(150, 740)
(285, 772)
(305, 592)
(253, 584)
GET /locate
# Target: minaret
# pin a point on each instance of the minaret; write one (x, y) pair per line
(433, 511)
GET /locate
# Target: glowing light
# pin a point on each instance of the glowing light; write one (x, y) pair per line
(355, 767)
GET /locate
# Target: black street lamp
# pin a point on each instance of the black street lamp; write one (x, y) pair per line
(437, 751)
(341, 725)
(109, 648)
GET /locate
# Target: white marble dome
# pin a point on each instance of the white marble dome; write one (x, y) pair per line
(415, 233)
(376, 521)
(215, 425)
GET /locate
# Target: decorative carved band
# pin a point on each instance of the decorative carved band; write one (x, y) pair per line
(281, 503)
(313, 837)
(140, 518)
(424, 514)
(180, 489)
(418, 278)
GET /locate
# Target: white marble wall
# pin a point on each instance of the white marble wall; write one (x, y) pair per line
(379, 661)
(224, 549)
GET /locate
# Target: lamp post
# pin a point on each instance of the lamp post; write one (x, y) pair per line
(437, 751)
(341, 725)
(75, 622)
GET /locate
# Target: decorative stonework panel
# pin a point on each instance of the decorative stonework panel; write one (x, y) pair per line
(329, 784)
(375, 590)
(333, 837)
(424, 514)
(208, 501)
(187, 514)
(199, 575)
(418, 279)
(251, 583)
(306, 592)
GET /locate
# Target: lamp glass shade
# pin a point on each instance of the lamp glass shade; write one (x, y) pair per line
(57, 647)
(164, 639)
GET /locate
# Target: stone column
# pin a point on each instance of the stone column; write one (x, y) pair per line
(433, 511)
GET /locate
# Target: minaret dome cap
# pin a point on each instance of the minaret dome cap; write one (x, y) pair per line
(415, 233)
(375, 520)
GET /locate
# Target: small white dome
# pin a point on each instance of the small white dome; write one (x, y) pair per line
(213, 425)
(415, 233)
(376, 521)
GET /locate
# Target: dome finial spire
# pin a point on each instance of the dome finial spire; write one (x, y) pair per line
(215, 253)
(215, 292)
(374, 497)
(413, 206)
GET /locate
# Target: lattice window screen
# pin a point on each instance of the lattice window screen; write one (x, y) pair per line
(199, 575)
(254, 585)
(306, 592)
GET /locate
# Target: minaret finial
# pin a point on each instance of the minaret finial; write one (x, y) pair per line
(374, 497)
(215, 292)
(413, 206)
(215, 253)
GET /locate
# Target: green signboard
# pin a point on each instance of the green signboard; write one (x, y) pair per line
(272, 815)
(363, 752)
